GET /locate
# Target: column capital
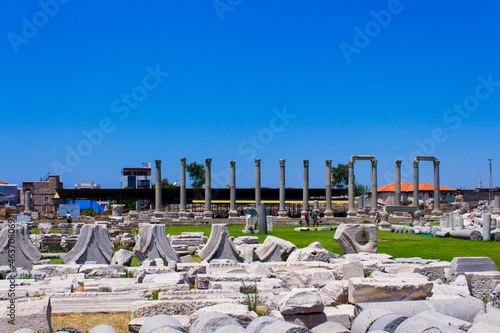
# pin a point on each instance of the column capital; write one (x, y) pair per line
(351, 163)
(415, 163)
(232, 163)
(257, 162)
(374, 163)
(328, 163)
(398, 162)
(282, 162)
(436, 163)
(306, 163)
(158, 163)
(208, 161)
(183, 160)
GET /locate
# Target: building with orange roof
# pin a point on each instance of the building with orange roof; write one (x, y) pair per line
(425, 191)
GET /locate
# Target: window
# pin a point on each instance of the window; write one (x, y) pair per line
(46, 199)
(43, 209)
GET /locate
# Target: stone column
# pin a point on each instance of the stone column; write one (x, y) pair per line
(397, 184)
(257, 182)
(208, 214)
(415, 184)
(182, 210)
(158, 187)
(305, 189)
(351, 211)
(27, 201)
(486, 226)
(437, 193)
(328, 196)
(233, 214)
(374, 188)
(496, 205)
(282, 211)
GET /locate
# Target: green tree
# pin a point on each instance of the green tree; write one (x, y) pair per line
(340, 179)
(196, 174)
(165, 184)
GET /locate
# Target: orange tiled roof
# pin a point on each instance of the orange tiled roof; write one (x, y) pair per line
(407, 187)
(3, 183)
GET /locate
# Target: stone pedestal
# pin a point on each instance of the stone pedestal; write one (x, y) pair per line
(486, 226)
(27, 201)
(415, 184)
(251, 220)
(328, 194)
(182, 211)
(208, 214)
(361, 210)
(282, 211)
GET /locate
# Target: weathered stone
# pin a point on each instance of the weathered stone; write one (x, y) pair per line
(122, 257)
(99, 271)
(460, 265)
(32, 313)
(388, 289)
(349, 269)
(153, 243)
(336, 291)
(239, 312)
(463, 308)
(301, 301)
(422, 324)
(15, 241)
(308, 320)
(220, 246)
(211, 321)
(314, 252)
(484, 328)
(482, 284)
(387, 323)
(57, 270)
(259, 323)
(330, 327)
(231, 329)
(494, 297)
(283, 327)
(315, 277)
(447, 320)
(246, 240)
(275, 249)
(472, 234)
(354, 238)
(492, 317)
(103, 329)
(161, 321)
(93, 244)
(175, 307)
(366, 318)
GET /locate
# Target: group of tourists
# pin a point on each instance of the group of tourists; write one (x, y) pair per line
(313, 216)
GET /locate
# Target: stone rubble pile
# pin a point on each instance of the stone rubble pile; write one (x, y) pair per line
(245, 286)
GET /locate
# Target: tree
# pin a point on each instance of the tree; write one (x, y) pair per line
(165, 184)
(196, 174)
(340, 179)
(340, 176)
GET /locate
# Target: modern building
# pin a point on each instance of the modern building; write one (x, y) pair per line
(137, 178)
(8, 194)
(425, 190)
(87, 185)
(42, 194)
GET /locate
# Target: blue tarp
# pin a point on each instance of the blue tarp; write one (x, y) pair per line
(86, 204)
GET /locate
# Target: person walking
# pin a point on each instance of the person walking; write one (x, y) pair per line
(314, 217)
(306, 217)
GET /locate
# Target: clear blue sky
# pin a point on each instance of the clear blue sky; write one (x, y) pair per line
(359, 77)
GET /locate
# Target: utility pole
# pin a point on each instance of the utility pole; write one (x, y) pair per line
(490, 184)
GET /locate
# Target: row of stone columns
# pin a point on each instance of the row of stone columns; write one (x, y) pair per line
(258, 197)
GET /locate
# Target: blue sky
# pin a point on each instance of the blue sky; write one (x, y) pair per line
(164, 80)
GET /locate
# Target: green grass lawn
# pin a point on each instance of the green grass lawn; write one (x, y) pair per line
(396, 245)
